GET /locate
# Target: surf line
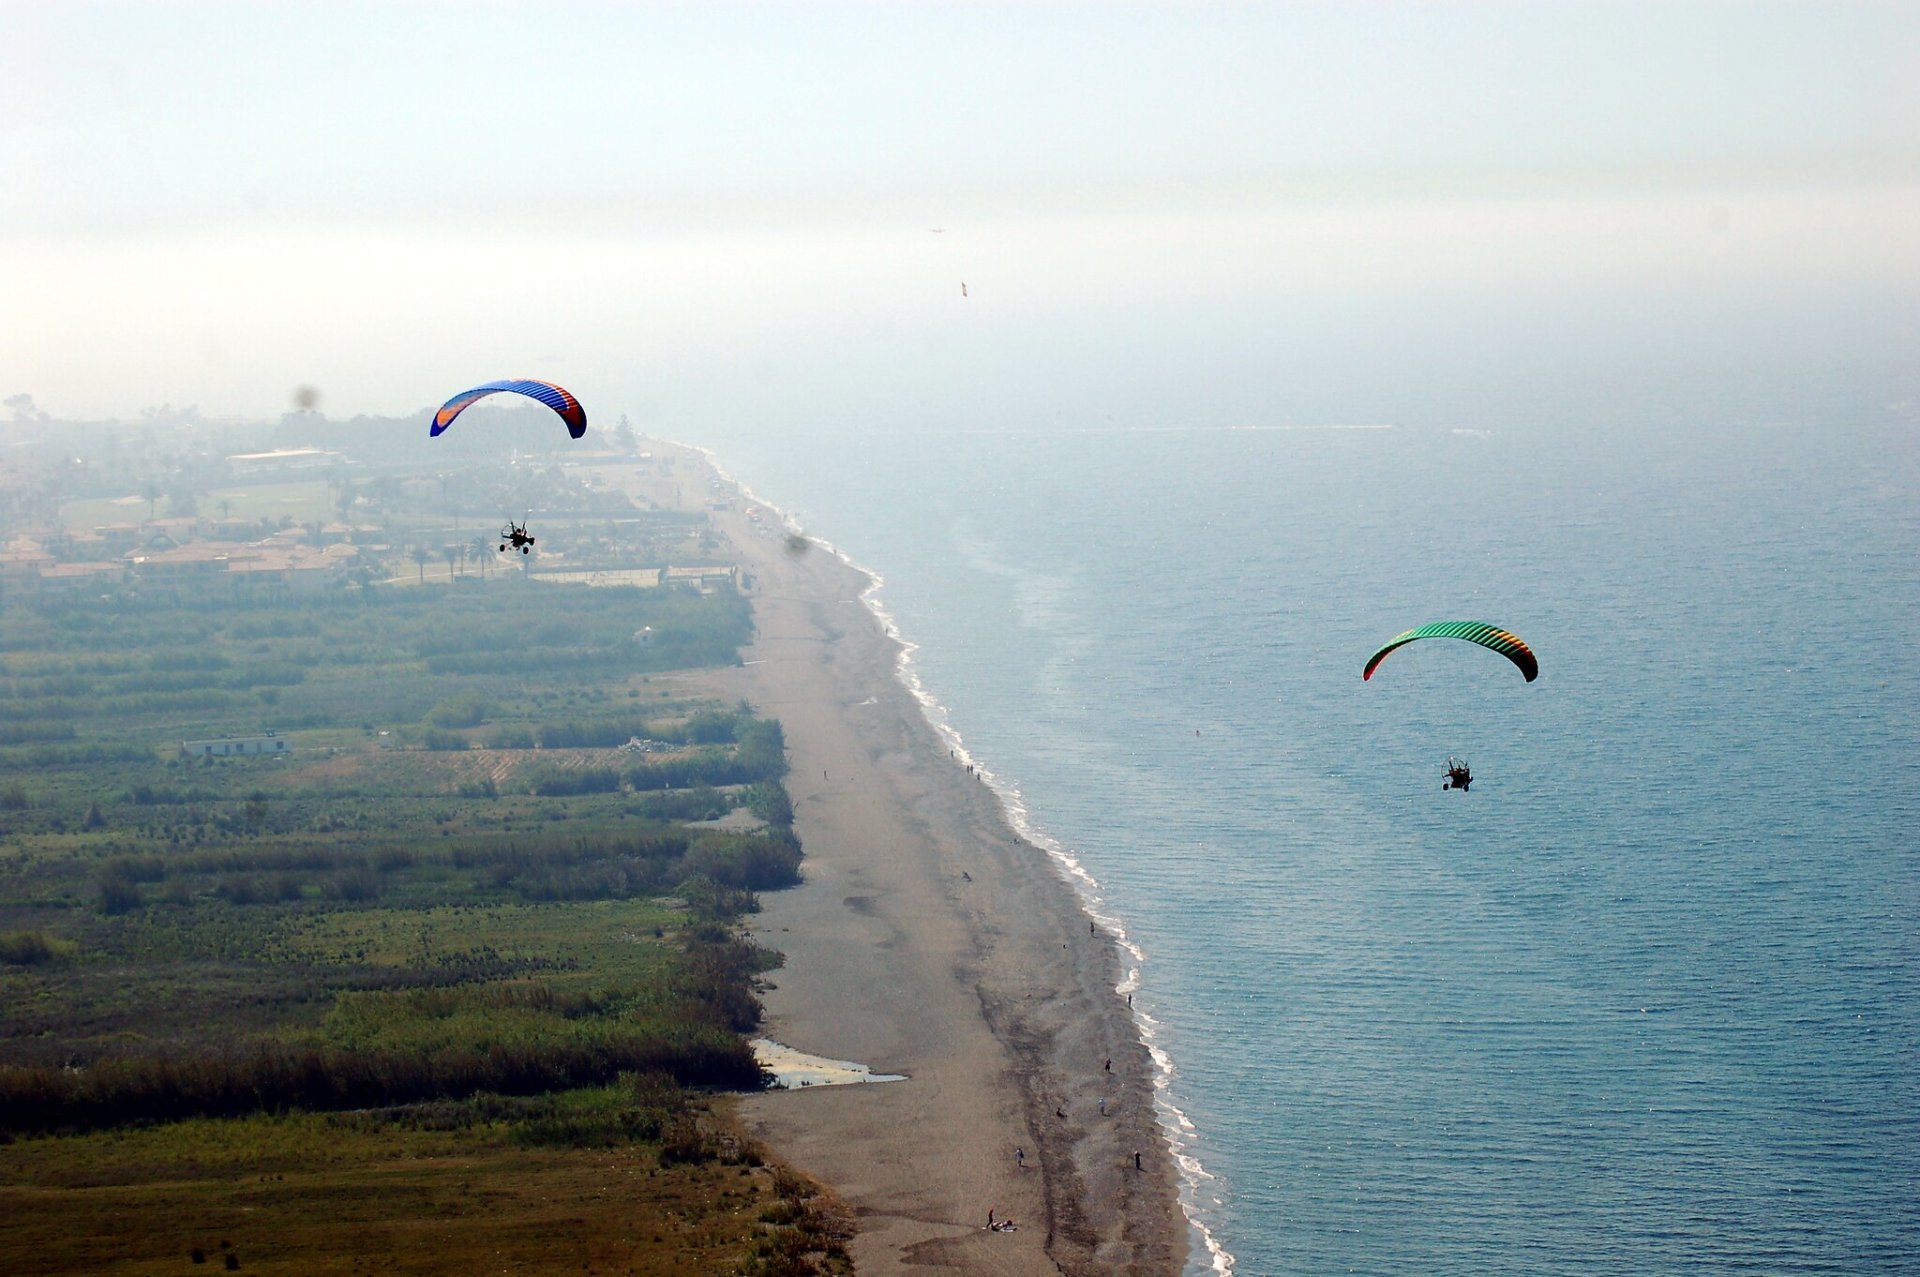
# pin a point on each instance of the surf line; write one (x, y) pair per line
(1182, 1137)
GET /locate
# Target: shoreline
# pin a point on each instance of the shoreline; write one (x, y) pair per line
(929, 938)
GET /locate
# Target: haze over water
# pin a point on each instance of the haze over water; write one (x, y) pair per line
(1645, 999)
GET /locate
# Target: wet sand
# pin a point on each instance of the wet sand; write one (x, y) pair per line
(930, 940)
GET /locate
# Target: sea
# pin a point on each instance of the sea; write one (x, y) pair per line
(1646, 998)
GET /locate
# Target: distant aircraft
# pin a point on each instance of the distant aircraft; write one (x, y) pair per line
(936, 230)
(1491, 637)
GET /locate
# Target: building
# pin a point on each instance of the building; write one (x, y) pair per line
(81, 576)
(229, 745)
(281, 461)
(705, 579)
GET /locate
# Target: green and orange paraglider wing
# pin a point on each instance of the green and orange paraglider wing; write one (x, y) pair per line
(1508, 644)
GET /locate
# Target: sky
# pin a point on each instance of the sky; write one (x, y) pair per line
(1227, 212)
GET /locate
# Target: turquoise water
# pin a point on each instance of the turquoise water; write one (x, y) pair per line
(1644, 1001)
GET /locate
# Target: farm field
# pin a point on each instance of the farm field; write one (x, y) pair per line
(448, 974)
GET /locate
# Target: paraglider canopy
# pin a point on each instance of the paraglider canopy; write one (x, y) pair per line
(554, 397)
(1493, 637)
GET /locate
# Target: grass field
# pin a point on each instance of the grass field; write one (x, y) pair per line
(451, 1192)
(307, 501)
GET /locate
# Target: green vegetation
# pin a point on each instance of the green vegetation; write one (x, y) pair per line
(300, 502)
(479, 909)
(640, 1177)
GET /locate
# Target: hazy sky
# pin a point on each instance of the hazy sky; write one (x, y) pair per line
(690, 210)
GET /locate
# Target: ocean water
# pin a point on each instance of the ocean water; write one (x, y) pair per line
(1647, 1000)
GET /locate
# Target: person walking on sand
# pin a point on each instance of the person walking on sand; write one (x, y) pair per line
(1109, 1064)
(990, 1223)
(1136, 1159)
(1020, 1157)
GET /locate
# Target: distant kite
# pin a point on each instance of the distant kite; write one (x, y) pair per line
(1492, 637)
(963, 288)
(546, 392)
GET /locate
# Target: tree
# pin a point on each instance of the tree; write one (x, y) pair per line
(23, 408)
(454, 553)
(420, 554)
(483, 553)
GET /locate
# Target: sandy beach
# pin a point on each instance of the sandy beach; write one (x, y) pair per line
(930, 940)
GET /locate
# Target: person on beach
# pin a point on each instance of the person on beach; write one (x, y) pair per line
(1103, 1106)
(1020, 1157)
(1136, 1159)
(1109, 1064)
(990, 1223)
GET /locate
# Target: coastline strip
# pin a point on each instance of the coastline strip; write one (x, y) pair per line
(931, 939)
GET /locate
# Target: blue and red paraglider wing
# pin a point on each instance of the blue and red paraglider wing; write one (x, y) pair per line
(554, 397)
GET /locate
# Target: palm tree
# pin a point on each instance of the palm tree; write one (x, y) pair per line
(454, 554)
(483, 553)
(420, 554)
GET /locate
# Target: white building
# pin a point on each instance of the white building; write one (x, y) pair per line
(226, 745)
(282, 461)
